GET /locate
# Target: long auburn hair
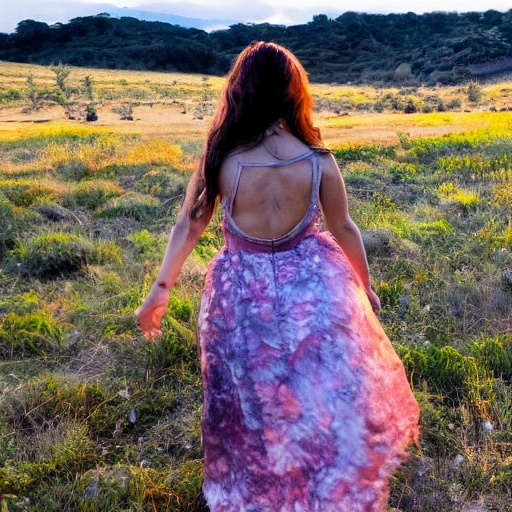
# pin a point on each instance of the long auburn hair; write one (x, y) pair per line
(267, 85)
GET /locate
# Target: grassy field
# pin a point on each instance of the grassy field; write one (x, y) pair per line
(93, 419)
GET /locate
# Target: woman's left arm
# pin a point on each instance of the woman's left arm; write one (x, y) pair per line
(184, 237)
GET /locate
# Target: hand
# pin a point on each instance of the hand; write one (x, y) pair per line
(374, 300)
(152, 311)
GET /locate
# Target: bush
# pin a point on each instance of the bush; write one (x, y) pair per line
(163, 184)
(61, 253)
(444, 371)
(495, 356)
(33, 334)
(410, 107)
(93, 193)
(454, 103)
(400, 173)
(474, 92)
(13, 222)
(26, 192)
(131, 204)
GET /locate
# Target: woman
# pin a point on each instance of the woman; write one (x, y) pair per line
(306, 404)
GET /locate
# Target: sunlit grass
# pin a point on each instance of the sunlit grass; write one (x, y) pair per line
(155, 152)
(496, 123)
(88, 210)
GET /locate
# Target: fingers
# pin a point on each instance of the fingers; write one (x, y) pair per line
(149, 325)
(153, 333)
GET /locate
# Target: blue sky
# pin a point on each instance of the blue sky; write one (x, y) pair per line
(275, 11)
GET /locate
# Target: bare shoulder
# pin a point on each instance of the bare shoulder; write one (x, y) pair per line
(329, 165)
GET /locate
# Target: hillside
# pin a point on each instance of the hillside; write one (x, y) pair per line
(431, 48)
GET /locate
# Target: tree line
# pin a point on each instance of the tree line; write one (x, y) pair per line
(436, 47)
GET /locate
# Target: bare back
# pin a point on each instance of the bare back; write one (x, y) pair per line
(269, 201)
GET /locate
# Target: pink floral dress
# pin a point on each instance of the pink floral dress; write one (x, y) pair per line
(307, 407)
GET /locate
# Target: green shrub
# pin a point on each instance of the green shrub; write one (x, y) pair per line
(445, 371)
(93, 193)
(389, 293)
(474, 92)
(402, 172)
(32, 334)
(454, 103)
(24, 192)
(62, 253)
(131, 204)
(147, 245)
(495, 356)
(363, 153)
(464, 198)
(13, 222)
(410, 107)
(23, 303)
(163, 184)
(208, 245)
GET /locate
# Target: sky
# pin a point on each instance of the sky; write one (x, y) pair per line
(287, 12)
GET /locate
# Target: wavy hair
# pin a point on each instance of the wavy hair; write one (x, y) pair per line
(266, 85)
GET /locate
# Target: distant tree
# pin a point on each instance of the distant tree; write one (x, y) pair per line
(32, 93)
(474, 92)
(88, 84)
(61, 74)
(28, 31)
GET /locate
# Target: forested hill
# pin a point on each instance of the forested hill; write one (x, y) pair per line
(433, 47)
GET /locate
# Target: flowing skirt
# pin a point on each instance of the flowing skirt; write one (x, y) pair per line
(306, 404)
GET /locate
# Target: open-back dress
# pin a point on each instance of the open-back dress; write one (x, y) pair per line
(307, 407)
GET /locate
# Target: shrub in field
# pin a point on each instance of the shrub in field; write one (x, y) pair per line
(502, 195)
(474, 92)
(445, 371)
(31, 334)
(131, 204)
(24, 192)
(125, 111)
(124, 487)
(163, 184)
(13, 220)
(147, 245)
(351, 153)
(390, 293)
(23, 303)
(411, 106)
(454, 104)
(466, 199)
(402, 172)
(62, 253)
(495, 356)
(78, 159)
(93, 193)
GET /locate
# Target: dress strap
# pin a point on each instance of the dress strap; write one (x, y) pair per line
(315, 185)
(317, 178)
(235, 187)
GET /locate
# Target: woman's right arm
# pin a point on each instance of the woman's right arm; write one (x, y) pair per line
(333, 198)
(184, 237)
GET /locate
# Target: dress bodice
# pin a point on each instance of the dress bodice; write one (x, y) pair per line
(311, 223)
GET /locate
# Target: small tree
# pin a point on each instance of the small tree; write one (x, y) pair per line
(61, 75)
(32, 93)
(88, 91)
(474, 92)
